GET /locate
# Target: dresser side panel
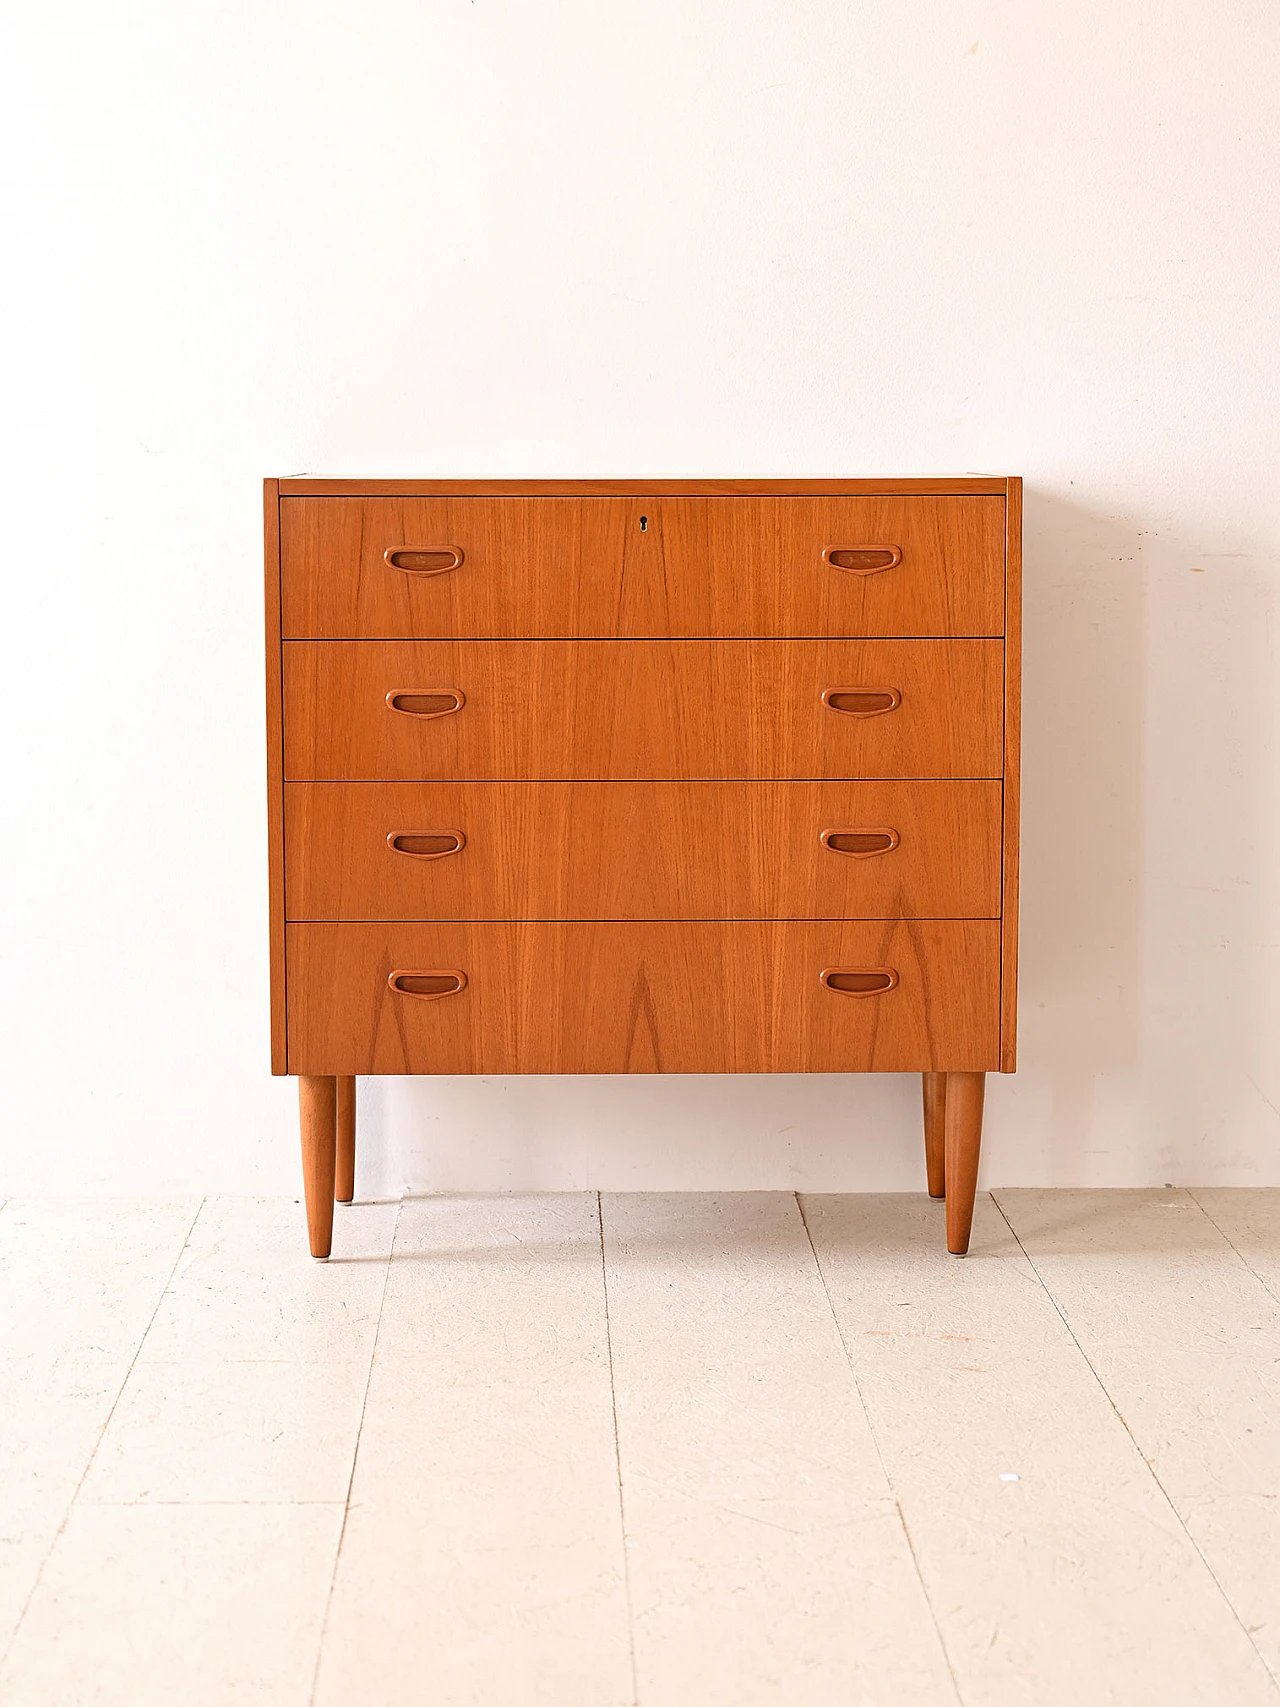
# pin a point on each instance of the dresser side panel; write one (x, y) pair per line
(1012, 781)
(275, 774)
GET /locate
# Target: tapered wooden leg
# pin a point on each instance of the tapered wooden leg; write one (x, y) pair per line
(935, 1114)
(964, 1096)
(344, 1185)
(318, 1115)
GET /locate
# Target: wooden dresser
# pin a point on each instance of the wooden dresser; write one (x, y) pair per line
(660, 776)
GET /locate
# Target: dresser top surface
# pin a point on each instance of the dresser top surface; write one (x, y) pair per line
(971, 485)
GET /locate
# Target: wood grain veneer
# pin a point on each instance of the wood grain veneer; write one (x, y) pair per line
(636, 709)
(656, 997)
(640, 850)
(646, 566)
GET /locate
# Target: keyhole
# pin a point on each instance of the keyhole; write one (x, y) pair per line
(644, 524)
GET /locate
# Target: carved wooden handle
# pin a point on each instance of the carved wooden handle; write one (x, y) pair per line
(860, 844)
(426, 702)
(427, 846)
(863, 559)
(862, 702)
(423, 559)
(428, 986)
(860, 980)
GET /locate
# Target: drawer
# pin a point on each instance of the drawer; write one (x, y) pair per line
(743, 997)
(641, 566)
(556, 710)
(642, 850)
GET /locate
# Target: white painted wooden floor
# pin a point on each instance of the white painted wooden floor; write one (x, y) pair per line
(678, 1451)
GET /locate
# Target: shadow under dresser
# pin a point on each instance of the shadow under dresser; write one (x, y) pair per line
(662, 776)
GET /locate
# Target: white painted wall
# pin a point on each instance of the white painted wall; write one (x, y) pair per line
(672, 237)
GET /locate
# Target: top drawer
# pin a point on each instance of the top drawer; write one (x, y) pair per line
(637, 567)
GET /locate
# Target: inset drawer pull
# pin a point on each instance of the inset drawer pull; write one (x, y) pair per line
(863, 559)
(428, 986)
(860, 844)
(429, 702)
(862, 702)
(860, 981)
(423, 559)
(427, 847)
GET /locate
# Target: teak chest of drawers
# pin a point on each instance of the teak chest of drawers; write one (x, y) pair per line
(656, 776)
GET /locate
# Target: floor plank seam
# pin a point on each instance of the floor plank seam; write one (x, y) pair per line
(1261, 1279)
(1150, 1468)
(355, 1453)
(875, 1439)
(617, 1458)
(102, 1432)
(258, 1505)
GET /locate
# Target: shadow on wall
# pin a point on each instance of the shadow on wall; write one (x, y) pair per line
(1211, 1084)
(1143, 1028)
(1080, 938)
(1145, 1049)
(642, 1132)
